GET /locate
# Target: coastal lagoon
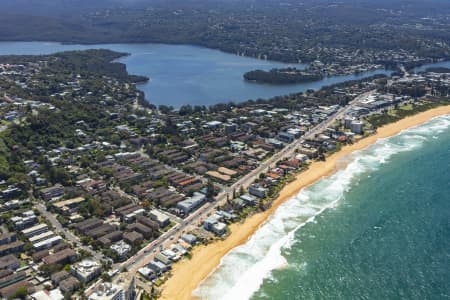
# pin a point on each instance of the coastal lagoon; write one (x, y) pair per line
(376, 229)
(181, 74)
(441, 64)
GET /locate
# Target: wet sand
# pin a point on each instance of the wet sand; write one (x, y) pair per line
(188, 274)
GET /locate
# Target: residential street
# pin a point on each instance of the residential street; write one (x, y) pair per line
(68, 234)
(145, 255)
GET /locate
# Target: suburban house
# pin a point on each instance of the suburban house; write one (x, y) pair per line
(257, 191)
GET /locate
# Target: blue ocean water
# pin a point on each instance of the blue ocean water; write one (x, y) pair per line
(379, 228)
(182, 74)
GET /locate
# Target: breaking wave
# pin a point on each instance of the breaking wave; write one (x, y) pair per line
(243, 270)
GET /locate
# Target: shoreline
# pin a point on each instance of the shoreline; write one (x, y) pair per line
(187, 275)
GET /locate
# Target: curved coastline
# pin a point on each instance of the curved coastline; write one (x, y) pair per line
(183, 74)
(188, 274)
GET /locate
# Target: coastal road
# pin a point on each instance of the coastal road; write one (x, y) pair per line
(289, 150)
(145, 255)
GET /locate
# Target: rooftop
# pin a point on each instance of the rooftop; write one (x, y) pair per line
(34, 228)
(86, 267)
(106, 291)
(121, 248)
(63, 203)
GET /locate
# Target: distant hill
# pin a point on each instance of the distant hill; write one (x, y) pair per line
(64, 7)
(283, 30)
(43, 6)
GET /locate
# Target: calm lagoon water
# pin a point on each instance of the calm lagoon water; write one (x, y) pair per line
(443, 64)
(183, 74)
(378, 229)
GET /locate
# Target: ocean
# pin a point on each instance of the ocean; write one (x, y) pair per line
(379, 228)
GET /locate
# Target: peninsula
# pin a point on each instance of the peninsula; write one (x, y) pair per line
(281, 76)
(106, 196)
(122, 190)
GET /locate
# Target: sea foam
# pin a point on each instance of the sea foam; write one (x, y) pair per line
(243, 270)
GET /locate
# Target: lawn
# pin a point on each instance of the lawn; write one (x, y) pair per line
(406, 107)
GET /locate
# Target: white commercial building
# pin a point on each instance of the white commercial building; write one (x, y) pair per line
(121, 248)
(159, 218)
(108, 291)
(86, 270)
(357, 127)
(191, 203)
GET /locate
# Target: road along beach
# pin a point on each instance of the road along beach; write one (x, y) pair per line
(188, 274)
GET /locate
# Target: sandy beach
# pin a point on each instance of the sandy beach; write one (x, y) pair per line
(188, 274)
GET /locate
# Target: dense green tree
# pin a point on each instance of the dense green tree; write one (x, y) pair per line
(21, 293)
